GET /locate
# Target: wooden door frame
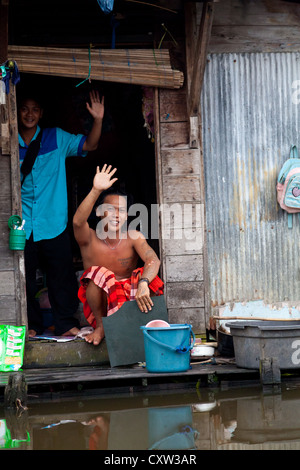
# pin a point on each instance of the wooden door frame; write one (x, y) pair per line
(19, 262)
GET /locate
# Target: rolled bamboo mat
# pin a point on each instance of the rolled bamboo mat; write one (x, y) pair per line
(148, 67)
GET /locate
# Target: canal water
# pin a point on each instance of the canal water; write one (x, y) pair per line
(246, 418)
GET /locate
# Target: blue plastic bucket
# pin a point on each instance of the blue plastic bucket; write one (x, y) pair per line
(167, 349)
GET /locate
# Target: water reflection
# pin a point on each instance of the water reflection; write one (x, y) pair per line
(250, 418)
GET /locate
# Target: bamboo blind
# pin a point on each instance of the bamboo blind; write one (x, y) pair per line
(148, 67)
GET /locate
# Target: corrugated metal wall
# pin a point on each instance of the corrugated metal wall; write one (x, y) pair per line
(250, 119)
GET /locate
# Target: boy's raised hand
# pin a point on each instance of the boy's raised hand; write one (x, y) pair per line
(102, 179)
(96, 108)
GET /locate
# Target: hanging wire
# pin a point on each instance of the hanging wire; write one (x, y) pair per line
(89, 75)
(166, 31)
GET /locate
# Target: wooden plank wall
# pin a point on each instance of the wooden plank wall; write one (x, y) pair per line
(7, 280)
(12, 270)
(257, 26)
(12, 286)
(180, 187)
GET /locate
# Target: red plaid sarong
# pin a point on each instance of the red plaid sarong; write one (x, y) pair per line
(117, 292)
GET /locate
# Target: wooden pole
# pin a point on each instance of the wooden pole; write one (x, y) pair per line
(19, 262)
(200, 58)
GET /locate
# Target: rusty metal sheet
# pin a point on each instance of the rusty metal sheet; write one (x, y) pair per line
(250, 113)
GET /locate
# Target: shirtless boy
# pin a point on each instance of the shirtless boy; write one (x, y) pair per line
(113, 248)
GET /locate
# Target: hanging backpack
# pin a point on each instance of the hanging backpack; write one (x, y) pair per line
(288, 185)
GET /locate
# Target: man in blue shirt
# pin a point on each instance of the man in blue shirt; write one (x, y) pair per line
(45, 211)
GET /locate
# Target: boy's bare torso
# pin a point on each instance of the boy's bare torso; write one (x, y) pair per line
(119, 257)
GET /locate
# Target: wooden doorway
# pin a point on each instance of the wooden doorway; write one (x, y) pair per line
(124, 143)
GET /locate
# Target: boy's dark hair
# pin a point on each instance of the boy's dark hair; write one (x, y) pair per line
(115, 191)
(29, 95)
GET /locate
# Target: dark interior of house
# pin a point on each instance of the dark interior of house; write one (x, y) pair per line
(132, 23)
(125, 141)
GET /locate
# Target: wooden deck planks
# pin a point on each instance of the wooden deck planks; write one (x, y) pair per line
(103, 373)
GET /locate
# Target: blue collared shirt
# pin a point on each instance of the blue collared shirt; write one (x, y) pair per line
(44, 191)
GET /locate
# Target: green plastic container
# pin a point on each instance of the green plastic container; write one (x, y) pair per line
(17, 237)
(12, 344)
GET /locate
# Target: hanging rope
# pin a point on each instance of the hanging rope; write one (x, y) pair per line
(88, 78)
(166, 31)
(114, 24)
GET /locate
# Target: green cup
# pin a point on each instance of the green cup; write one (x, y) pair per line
(17, 238)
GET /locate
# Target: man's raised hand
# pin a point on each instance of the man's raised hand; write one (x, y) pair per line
(103, 179)
(96, 108)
